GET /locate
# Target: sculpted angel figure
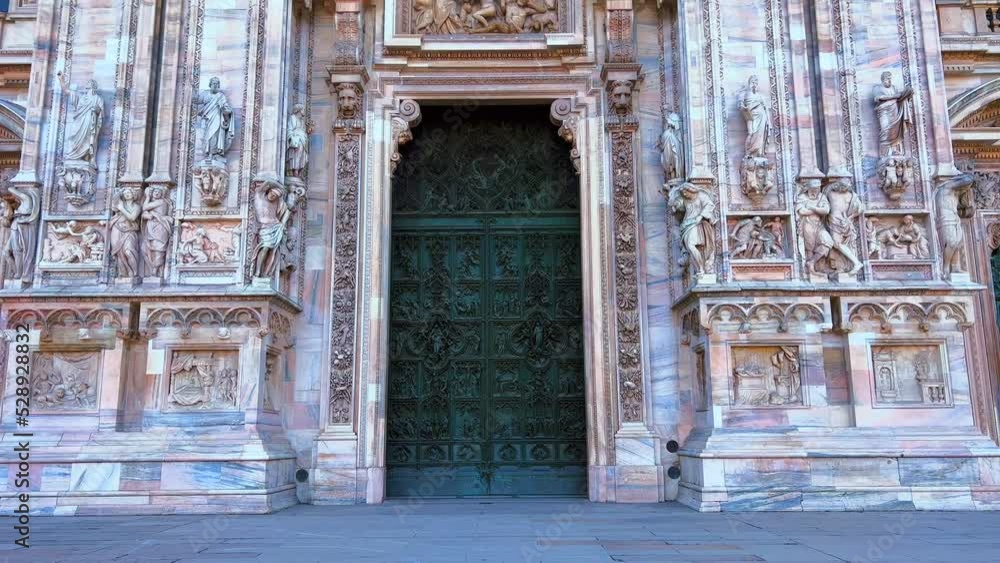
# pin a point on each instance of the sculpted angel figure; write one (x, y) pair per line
(217, 116)
(297, 142)
(894, 110)
(953, 202)
(697, 212)
(156, 216)
(84, 121)
(753, 106)
(671, 155)
(124, 233)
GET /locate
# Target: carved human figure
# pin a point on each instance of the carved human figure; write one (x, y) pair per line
(217, 118)
(348, 102)
(895, 115)
(297, 142)
(273, 215)
(486, 11)
(787, 376)
(753, 106)
(743, 237)
(124, 233)
(157, 220)
(953, 199)
(6, 219)
(910, 236)
(19, 250)
(200, 249)
(671, 155)
(621, 97)
(83, 125)
(845, 208)
(438, 16)
(68, 245)
(812, 208)
(697, 211)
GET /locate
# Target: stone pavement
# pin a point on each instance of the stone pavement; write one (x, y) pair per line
(513, 531)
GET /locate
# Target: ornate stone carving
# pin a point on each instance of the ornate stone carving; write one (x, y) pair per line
(621, 42)
(297, 142)
(906, 240)
(74, 243)
(348, 100)
(954, 202)
(124, 233)
(767, 376)
(19, 252)
(672, 150)
(894, 110)
(200, 380)
(157, 226)
(827, 223)
(987, 190)
(209, 243)
(909, 375)
(407, 117)
(449, 17)
(562, 113)
(752, 239)
(83, 126)
(756, 171)
(212, 183)
(274, 207)
(697, 215)
(218, 128)
(620, 99)
(65, 381)
(895, 176)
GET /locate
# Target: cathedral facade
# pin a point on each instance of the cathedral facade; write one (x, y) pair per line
(264, 252)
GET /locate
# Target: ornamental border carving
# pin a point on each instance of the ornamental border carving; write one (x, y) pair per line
(895, 316)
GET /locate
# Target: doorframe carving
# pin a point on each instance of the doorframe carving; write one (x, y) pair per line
(389, 105)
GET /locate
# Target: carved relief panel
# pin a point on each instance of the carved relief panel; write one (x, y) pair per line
(198, 380)
(65, 381)
(910, 375)
(766, 376)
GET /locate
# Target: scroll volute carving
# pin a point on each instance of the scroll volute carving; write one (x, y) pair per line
(564, 114)
(403, 120)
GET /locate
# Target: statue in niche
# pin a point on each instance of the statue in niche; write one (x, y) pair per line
(217, 120)
(84, 123)
(124, 233)
(274, 213)
(845, 208)
(756, 171)
(894, 110)
(75, 177)
(671, 150)
(297, 143)
(753, 106)
(954, 201)
(697, 217)
(157, 221)
(753, 240)
(19, 250)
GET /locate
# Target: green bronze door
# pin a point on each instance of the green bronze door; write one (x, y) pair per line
(486, 341)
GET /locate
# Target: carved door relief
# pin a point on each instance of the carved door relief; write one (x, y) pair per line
(486, 382)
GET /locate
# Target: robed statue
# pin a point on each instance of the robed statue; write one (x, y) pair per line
(217, 119)
(86, 113)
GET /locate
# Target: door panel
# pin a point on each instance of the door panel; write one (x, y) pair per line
(486, 341)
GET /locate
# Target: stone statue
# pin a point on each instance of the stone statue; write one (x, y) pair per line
(894, 110)
(812, 208)
(896, 176)
(86, 114)
(671, 150)
(274, 212)
(438, 17)
(124, 233)
(697, 216)
(157, 217)
(18, 254)
(753, 106)
(6, 220)
(845, 208)
(953, 200)
(297, 142)
(217, 119)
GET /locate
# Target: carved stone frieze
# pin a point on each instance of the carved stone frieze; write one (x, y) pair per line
(767, 376)
(74, 242)
(987, 189)
(82, 321)
(449, 17)
(65, 381)
(202, 380)
(904, 315)
(186, 317)
(910, 374)
(771, 317)
(621, 40)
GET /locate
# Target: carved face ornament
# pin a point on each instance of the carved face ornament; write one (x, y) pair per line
(347, 100)
(621, 96)
(214, 85)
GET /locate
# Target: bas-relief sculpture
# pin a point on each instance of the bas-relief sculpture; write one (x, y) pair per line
(209, 243)
(905, 240)
(909, 375)
(124, 233)
(827, 224)
(217, 125)
(767, 376)
(756, 170)
(202, 380)
(65, 381)
(697, 215)
(73, 242)
(83, 127)
(451, 17)
(753, 239)
(953, 200)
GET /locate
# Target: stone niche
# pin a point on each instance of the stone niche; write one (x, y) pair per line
(452, 25)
